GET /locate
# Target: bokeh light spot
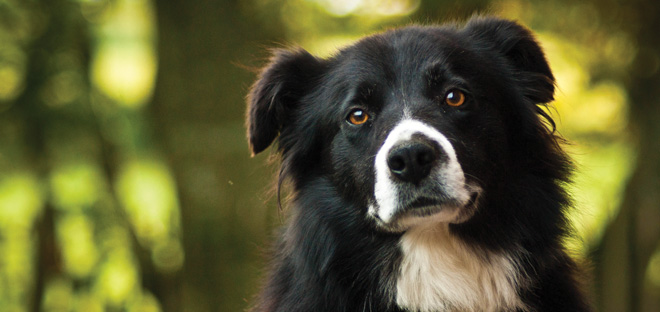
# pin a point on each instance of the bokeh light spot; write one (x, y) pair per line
(76, 186)
(125, 73)
(117, 278)
(10, 82)
(147, 192)
(20, 201)
(76, 236)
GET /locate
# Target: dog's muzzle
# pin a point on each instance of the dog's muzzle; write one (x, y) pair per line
(419, 179)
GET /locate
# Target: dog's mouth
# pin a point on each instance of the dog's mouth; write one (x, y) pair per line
(422, 202)
(428, 206)
(424, 209)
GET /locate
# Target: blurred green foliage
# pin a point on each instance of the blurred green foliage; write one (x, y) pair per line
(125, 181)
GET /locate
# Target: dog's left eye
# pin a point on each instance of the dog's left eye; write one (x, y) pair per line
(357, 117)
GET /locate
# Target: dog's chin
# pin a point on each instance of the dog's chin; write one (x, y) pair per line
(424, 213)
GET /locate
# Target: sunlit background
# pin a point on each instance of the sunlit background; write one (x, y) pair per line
(125, 179)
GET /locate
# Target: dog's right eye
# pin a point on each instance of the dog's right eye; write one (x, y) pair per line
(455, 98)
(357, 117)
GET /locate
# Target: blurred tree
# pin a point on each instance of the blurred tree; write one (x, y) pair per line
(204, 48)
(66, 244)
(56, 52)
(623, 257)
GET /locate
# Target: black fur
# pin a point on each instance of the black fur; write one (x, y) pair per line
(331, 257)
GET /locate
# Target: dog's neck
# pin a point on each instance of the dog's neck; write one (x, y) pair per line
(439, 272)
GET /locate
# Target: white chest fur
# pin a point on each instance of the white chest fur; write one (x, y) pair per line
(441, 273)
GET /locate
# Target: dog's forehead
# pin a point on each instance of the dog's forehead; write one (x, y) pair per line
(404, 49)
(390, 73)
(401, 61)
(397, 64)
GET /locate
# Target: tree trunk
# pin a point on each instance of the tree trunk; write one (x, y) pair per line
(633, 237)
(199, 111)
(64, 33)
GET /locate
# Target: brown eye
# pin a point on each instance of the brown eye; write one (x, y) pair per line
(455, 98)
(358, 117)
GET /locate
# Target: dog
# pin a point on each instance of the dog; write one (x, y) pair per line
(426, 174)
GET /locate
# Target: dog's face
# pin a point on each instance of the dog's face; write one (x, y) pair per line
(409, 118)
(412, 126)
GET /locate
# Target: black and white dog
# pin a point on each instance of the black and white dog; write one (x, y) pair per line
(426, 175)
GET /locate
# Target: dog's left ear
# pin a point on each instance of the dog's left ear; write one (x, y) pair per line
(518, 45)
(275, 95)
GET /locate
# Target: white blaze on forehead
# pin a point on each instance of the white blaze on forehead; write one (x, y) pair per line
(385, 190)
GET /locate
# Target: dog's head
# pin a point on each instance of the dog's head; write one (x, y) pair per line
(413, 125)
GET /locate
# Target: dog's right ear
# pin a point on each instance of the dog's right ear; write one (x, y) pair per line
(276, 94)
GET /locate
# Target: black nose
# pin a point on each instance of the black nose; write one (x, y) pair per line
(412, 161)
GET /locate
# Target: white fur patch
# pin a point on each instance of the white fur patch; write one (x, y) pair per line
(450, 173)
(441, 273)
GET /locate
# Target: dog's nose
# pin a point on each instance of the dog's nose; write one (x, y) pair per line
(412, 161)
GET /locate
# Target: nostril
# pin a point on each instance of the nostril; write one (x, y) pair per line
(396, 163)
(425, 157)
